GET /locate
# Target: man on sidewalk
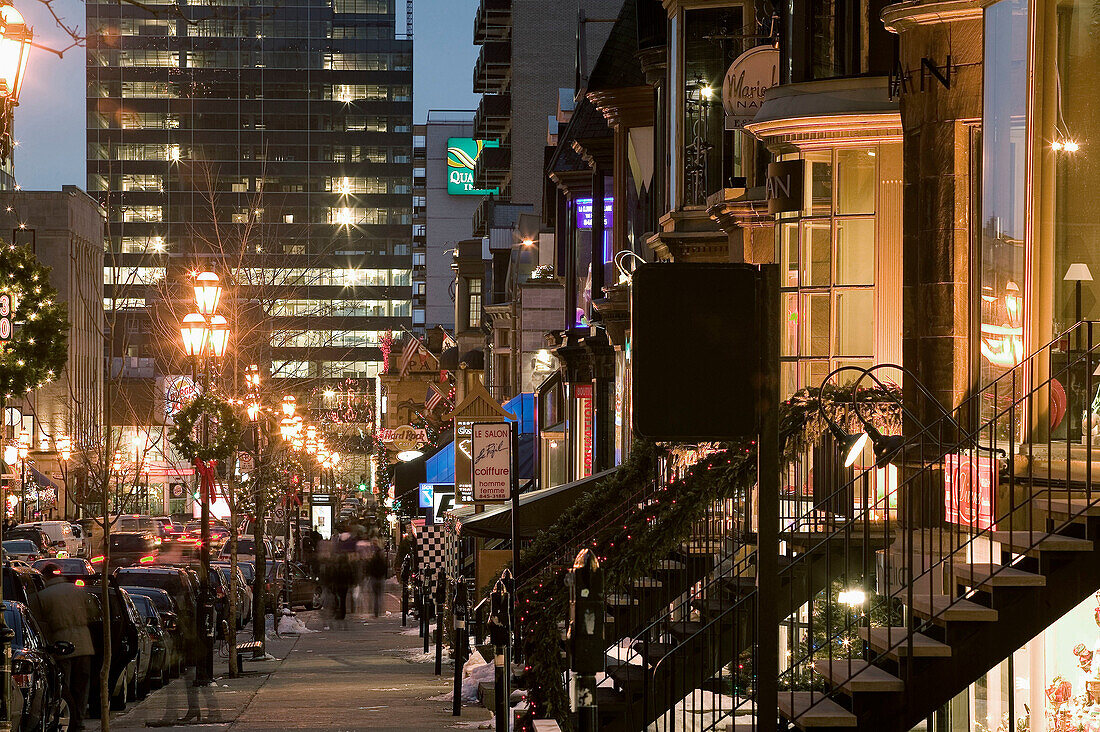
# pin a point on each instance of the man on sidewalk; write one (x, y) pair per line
(64, 616)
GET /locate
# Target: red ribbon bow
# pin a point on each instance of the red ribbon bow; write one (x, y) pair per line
(206, 478)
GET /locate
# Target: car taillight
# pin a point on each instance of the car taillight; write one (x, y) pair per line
(79, 583)
(97, 560)
(147, 559)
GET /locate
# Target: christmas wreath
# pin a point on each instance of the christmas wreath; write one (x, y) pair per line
(226, 430)
(36, 349)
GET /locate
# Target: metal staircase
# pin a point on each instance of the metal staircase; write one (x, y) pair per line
(898, 599)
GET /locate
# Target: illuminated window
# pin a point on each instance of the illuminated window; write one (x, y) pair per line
(473, 299)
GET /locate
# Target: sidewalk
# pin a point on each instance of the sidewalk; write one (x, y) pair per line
(370, 674)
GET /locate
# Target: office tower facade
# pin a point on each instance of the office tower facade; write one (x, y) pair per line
(271, 143)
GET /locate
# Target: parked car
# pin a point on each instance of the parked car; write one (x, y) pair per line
(22, 549)
(35, 671)
(244, 591)
(125, 646)
(130, 548)
(179, 583)
(78, 571)
(60, 535)
(30, 533)
(161, 639)
(246, 549)
(139, 686)
(305, 591)
(169, 624)
(22, 584)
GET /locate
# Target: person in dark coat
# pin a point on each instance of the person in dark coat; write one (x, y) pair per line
(64, 614)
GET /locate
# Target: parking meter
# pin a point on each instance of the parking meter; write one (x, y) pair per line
(586, 634)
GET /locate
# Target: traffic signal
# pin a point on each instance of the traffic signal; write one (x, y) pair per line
(362, 483)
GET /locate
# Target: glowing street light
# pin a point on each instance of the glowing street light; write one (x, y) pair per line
(219, 335)
(193, 332)
(15, 48)
(208, 292)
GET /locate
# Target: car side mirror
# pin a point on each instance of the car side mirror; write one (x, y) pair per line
(169, 620)
(62, 648)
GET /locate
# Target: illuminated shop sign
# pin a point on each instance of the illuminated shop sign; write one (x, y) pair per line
(584, 212)
(462, 155)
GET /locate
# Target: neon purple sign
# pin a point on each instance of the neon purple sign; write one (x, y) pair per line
(584, 212)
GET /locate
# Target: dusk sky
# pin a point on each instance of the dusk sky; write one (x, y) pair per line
(50, 120)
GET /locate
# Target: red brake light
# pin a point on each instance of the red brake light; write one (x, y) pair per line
(79, 583)
(146, 559)
(97, 560)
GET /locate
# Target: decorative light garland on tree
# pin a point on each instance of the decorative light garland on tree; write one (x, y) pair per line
(37, 349)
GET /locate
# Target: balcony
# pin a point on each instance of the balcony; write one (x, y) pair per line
(493, 21)
(493, 70)
(494, 212)
(493, 168)
(493, 118)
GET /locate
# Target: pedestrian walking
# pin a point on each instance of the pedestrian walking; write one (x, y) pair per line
(64, 614)
(377, 570)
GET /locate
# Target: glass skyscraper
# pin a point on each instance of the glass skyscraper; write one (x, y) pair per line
(271, 142)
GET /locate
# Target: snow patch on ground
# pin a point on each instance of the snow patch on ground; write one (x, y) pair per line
(293, 625)
(474, 672)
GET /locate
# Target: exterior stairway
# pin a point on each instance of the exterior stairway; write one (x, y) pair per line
(906, 597)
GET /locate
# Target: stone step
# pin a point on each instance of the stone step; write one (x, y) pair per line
(852, 675)
(943, 609)
(985, 576)
(1030, 542)
(809, 709)
(892, 641)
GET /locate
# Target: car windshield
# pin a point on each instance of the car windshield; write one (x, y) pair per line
(20, 546)
(164, 580)
(144, 606)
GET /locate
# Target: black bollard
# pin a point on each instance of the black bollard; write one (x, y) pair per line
(462, 640)
(406, 572)
(440, 602)
(426, 606)
(500, 637)
(586, 630)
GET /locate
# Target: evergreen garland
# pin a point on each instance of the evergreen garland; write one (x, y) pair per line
(37, 349)
(226, 435)
(628, 553)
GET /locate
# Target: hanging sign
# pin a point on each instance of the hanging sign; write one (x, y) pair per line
(749, 76)
(784, 186)
(492, 461)
(5, 317)
(968, 491)
(427, 495)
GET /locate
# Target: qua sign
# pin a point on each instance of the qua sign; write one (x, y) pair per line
(462, 155)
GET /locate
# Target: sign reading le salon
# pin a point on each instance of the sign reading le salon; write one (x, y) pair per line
(492, 461)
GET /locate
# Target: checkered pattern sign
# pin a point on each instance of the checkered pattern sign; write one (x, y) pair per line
(431, 549)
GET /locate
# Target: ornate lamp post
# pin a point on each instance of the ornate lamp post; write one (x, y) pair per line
(205, 336)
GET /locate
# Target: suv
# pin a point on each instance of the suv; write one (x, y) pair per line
(178, 583)
(38, 536)
(23, 584)
(60, 534)
(129, 548)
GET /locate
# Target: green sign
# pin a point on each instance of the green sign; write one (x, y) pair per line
(462, 155)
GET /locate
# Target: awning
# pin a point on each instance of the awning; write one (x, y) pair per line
(523, 406)
(441, 466)
(537, 510)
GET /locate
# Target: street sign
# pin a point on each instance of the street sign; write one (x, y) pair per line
(245, 462)
(427, 493)
(278, 514)
(491, 459)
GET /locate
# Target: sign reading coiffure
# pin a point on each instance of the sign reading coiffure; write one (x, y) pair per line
(749, 76)
(492, 461)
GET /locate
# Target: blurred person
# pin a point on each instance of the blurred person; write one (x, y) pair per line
(377, 569)
(64, 616)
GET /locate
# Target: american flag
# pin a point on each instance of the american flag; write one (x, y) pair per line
(408, 353)
(435, 397)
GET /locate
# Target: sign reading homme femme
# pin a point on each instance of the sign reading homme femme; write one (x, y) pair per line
(492, 461)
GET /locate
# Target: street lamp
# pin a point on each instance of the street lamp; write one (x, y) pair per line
(289, 405)
(205, 335)
(24, 450)
(15, 47)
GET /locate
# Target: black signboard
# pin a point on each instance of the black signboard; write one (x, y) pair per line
(695, 348)
(785, 186)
